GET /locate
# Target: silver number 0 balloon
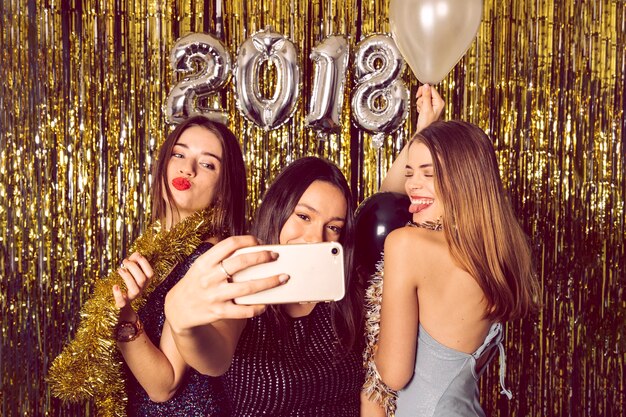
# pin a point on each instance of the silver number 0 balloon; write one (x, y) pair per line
(208, 62)
(263, 46)
(380, 100)
(330, 60)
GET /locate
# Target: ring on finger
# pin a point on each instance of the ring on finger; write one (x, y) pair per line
(229, 277)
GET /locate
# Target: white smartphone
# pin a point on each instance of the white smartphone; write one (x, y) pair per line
(316, 273)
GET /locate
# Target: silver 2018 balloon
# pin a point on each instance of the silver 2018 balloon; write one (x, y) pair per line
(263, 46)
(208, 63)
(330, 61)
(380, 99)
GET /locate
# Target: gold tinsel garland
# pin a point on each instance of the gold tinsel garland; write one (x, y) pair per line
(91, 365)
(374, 387)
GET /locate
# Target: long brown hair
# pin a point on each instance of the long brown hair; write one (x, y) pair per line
(230, 193)
(481, 229)
(279, 203)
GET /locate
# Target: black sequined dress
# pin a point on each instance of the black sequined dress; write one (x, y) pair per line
(198, 395)
(299, 374)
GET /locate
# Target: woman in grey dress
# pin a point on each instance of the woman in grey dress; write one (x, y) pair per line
(460, 269)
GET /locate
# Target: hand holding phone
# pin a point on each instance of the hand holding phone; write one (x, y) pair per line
(316, 273)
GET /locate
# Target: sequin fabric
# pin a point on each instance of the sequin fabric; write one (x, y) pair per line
(199, 395)
(296, 374)
(445, 381)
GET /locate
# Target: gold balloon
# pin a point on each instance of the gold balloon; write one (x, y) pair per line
(433, 35)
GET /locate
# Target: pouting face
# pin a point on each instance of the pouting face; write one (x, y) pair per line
(193, 170)
(420, 185)
(319, 216)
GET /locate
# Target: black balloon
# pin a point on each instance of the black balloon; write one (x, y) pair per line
(375, 218)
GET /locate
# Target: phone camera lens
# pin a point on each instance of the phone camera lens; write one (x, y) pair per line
(334, 251)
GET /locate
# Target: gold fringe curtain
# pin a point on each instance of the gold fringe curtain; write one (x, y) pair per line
(83, 84)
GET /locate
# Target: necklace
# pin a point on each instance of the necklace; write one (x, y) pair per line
(436, 225)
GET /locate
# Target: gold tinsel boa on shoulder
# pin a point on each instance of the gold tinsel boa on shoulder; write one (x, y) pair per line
(91, 365)
(374, 388)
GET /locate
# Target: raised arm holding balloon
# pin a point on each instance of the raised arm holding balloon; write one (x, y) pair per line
(430, 106)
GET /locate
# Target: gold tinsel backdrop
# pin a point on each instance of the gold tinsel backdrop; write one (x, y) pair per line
(83, 87)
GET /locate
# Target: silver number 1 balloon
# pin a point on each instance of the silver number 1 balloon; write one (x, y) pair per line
(330, 60)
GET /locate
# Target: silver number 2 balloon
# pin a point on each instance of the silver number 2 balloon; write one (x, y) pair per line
(380, 100)
(261, 47)
(330, 60)
(208, 63)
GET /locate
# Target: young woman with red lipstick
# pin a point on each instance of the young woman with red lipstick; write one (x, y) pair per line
(460, 269)
(199, 166)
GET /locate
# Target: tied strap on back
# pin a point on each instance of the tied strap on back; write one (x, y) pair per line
(502, 358)
(493, 339)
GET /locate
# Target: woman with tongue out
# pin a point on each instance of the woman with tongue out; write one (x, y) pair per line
(199, 184)
(458, 271)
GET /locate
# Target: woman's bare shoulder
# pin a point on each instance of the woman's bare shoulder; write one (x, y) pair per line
(414, 240)
(417, 252)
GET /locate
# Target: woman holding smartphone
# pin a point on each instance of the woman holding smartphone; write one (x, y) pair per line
(200, 165)
(292, 359)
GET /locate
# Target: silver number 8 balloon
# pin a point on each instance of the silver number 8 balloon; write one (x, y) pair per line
(380, 100)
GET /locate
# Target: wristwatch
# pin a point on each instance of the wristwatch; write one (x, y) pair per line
(127, 331)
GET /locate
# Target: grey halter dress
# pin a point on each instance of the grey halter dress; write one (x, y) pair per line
(445, 381)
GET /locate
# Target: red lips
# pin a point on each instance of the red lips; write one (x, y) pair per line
(181, 183)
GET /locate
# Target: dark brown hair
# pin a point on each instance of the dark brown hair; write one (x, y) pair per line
(230, 193)
(279, 203)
